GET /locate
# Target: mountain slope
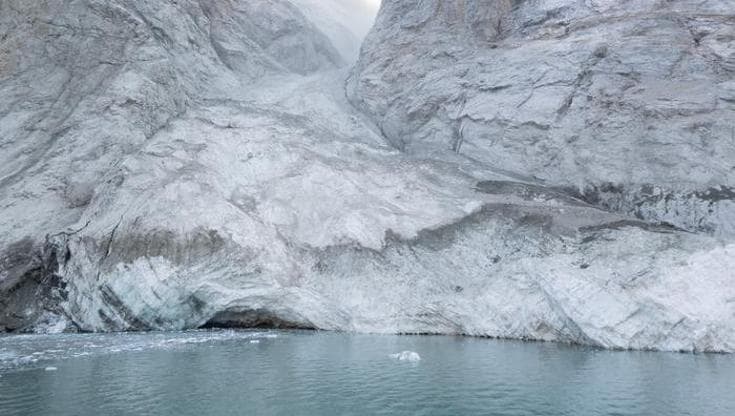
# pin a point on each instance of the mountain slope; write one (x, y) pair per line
(629, 104)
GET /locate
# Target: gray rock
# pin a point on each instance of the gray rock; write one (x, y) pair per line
(625, 102)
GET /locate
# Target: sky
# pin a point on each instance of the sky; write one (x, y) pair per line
(365, 15)
(345, 22)
(373, 4)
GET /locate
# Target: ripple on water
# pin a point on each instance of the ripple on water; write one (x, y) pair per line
(31, 351)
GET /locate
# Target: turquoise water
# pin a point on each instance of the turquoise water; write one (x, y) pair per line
(316, 373)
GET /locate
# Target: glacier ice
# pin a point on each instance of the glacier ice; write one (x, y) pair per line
(409, 356)
(175, 165)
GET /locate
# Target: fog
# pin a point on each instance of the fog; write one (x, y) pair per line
(354, 19)
(363, 15)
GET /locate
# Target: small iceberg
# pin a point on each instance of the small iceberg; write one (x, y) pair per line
(50, 369)
(255, 341)
(406, 356)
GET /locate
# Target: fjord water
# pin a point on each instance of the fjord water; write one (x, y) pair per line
(316, 373)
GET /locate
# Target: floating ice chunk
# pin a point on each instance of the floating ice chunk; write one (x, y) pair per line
(406, 356)
(255, 341)
(51, 369)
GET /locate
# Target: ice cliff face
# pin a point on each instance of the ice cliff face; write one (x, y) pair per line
(171, 165)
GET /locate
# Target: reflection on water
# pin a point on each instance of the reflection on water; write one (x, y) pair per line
(312, 373)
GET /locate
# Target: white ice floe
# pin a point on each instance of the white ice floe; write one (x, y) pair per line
(406, 356)
(255, 341)
(51, 369)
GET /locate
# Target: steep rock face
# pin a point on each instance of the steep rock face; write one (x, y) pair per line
(215, 175)
(629, 103)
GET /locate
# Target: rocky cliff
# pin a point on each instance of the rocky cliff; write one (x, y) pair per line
(629, 104)
(550, 170)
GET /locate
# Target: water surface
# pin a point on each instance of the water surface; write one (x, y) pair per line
(316, 373)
